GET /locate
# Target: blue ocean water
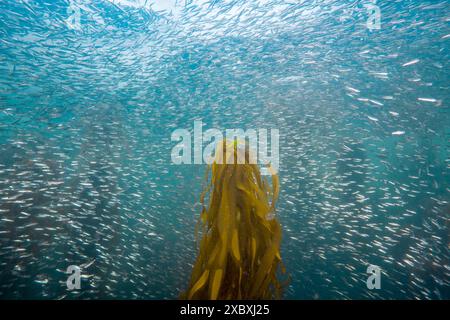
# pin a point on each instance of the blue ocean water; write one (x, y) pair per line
(91, 91)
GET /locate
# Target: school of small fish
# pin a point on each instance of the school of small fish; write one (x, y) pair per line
(90, 92)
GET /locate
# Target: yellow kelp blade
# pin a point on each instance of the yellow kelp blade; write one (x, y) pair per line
(235, 246)
(239, 256)
(200, 283)
(215, 285)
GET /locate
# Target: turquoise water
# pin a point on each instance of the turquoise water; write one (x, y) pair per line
(88, 105)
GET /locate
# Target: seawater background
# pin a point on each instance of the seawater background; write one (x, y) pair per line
(86, 117)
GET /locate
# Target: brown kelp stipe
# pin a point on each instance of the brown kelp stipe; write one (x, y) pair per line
(239, 254)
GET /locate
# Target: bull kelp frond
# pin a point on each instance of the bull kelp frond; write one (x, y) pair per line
(239, 251)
